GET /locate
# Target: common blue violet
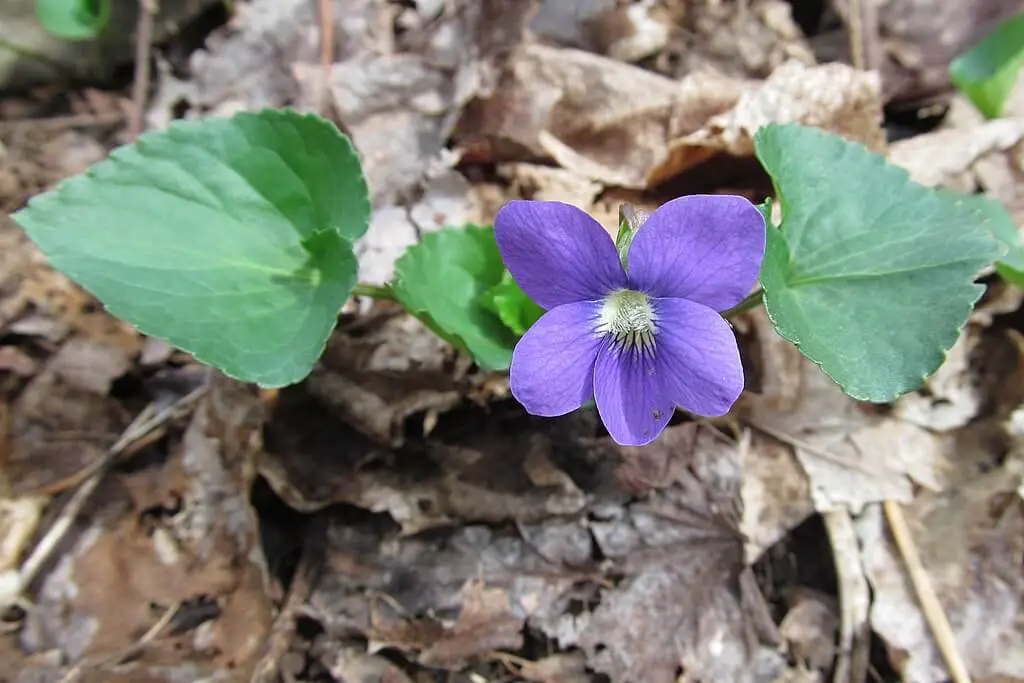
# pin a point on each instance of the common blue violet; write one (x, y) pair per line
(640, 341)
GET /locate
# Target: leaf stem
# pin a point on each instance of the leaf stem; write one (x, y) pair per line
(752, 301)
(379, 292)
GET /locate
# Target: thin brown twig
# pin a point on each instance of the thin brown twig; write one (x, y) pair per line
(120, 657)
(865, 46)
(932, 609)
(143, 46)
(326, 16)
(326, 33)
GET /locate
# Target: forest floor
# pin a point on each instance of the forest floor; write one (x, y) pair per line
(397, 516)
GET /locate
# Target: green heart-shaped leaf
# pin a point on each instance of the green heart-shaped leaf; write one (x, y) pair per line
(443, 281)
(870, 274)
(229, 238)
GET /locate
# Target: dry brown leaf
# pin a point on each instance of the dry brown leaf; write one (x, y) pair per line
(409, 591)
(775, 492)
(177, 532)
(569, 667)
(64, 420)
(486, 622)
(544, 183)
(810, 627)
(851, 457)
(599, 118)
(834, 97)
(971, 540)
(746, 38)
(682, 605)
(921, 37)
(947, 157)
(377, 380)
(312, 461)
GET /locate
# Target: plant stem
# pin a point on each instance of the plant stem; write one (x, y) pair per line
(751, 301)
(379, 292)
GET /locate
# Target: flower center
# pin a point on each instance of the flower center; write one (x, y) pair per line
(628, 316)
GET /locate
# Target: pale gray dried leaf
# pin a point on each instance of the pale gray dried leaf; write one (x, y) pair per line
(599, 118)
(247, 64)
(946, 157)
(970, 542)
(446, 199)
(424, 579)
(834, 97)
(921, 37)
(682, 556)
(745, 39)
(810, 627)
(775, 491)
(851, 457)
(954, 395)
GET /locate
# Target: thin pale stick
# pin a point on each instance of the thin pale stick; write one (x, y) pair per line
(143, 46)
(932, 609)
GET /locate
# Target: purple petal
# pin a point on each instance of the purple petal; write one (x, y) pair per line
(552, 369)
(698, 359)
(705, 248)
(557, 253)
(630, 398)
(695, 366)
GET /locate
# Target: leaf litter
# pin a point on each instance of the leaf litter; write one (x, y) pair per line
(396, 517)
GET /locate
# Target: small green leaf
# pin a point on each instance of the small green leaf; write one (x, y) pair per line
(631, 219)
(516, 310)
(1003, 227)
(73, 19)
(987, 72)
(869, 274)
(229, 238)
(443, 280)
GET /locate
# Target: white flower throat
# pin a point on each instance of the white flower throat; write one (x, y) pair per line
(629, 317)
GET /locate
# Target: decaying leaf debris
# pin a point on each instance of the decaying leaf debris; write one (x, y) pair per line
(396, 517)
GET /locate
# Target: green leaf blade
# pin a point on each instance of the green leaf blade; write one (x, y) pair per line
(517, 311)
(870, 275)
(987, 72)
(444, 281)
(73, 19)
(206, 236)
(1003, 227)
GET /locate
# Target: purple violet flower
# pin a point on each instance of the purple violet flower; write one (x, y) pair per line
(640, 344)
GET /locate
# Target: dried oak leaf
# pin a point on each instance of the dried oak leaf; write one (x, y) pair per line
(166, 534)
